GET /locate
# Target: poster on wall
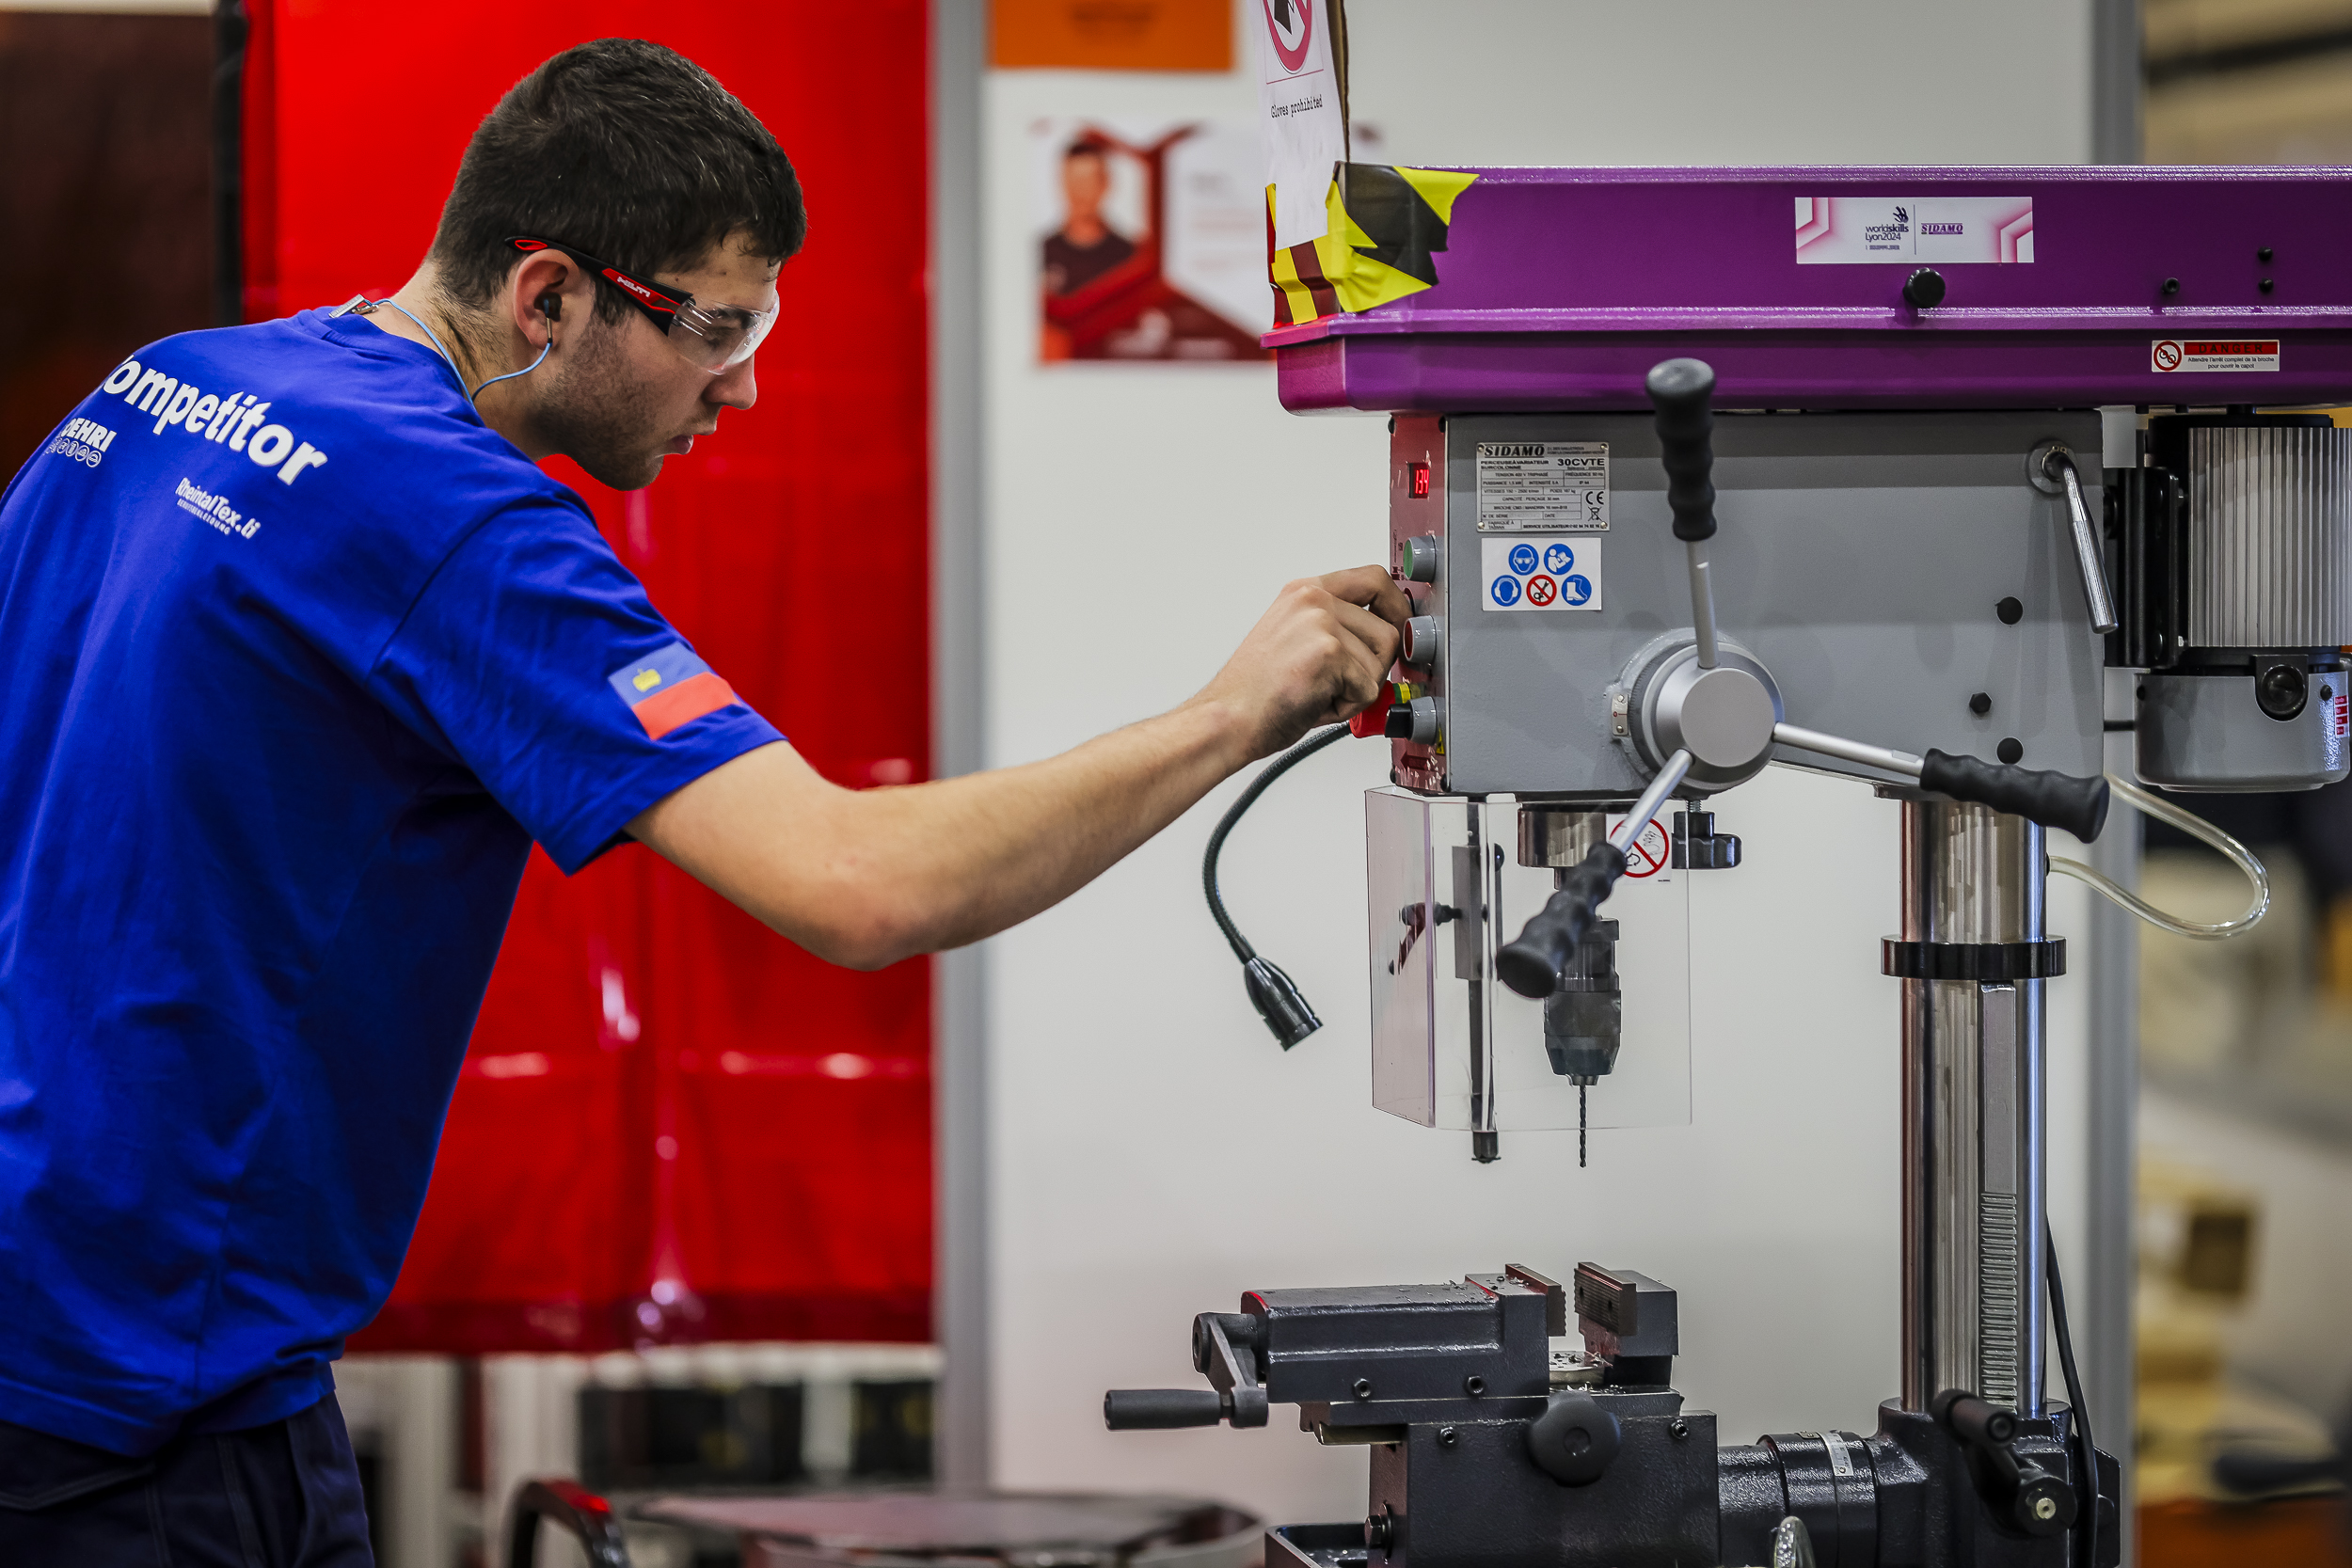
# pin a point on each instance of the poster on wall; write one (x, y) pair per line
(1151, 243)
(1124, 35)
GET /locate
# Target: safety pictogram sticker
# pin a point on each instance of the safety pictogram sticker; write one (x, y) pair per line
(2213, 356)
(1528, 575)
(1650, 852)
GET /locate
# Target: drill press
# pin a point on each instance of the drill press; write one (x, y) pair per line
(1680, 488)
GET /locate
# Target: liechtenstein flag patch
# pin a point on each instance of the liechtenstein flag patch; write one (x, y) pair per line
(670, 688)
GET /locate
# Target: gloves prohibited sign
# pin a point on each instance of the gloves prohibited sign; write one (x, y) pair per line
(1538, 574)
(1650, 852)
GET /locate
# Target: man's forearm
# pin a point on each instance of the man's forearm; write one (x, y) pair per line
(968, 857)
(865, 878)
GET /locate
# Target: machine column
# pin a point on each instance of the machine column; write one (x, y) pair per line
(1974, 1159)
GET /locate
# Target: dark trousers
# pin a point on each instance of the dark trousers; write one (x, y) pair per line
(282, 1496)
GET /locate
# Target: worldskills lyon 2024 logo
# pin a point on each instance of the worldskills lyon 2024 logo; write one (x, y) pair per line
(1542, 579)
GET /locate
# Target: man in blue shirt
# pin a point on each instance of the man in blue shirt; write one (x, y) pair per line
(299, 653)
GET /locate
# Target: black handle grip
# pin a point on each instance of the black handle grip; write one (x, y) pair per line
(1159, 1409)
(1974, 1421)
(1682, 391)
(2052, 799)
(1532, 964)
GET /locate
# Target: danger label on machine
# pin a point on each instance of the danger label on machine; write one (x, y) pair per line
(2176, 355)
(1538, 574)
(1524, 485)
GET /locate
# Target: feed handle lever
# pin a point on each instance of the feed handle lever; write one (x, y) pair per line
(1682, 391)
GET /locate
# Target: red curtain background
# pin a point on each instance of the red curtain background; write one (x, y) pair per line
(673, 1124)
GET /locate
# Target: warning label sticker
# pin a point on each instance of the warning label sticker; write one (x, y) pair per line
(2183, 355)
(1535, 574)
(1524, 485)
(1650, 851)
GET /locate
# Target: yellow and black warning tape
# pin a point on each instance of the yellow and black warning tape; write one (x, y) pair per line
(1387, 224)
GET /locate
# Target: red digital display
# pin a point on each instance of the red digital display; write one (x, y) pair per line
(1416, 477)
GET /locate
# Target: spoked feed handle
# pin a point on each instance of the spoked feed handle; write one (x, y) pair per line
(1684, 391)
(2054, 799)
(1532, 964)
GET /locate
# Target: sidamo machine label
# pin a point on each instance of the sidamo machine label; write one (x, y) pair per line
(1526, 486)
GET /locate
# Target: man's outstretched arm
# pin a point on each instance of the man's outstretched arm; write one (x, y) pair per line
(865, 877)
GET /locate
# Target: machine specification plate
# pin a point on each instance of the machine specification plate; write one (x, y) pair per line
(1525, 486)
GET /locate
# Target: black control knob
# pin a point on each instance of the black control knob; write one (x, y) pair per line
(1924, 289)
(2281, 691)
(1574, 1441)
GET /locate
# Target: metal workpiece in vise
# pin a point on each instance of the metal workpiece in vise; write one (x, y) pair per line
(1493, 1447)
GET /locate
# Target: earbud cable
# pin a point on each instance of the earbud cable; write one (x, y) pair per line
(475, 396)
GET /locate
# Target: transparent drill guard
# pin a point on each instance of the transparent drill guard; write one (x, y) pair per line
(1430, 1019)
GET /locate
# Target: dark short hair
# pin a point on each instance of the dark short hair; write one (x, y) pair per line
(627, 150)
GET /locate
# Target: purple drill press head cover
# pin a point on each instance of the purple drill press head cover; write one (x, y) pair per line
(2051, 287)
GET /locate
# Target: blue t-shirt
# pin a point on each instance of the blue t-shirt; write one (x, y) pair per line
(297, 659)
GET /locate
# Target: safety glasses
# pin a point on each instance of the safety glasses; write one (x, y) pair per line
(711, 337)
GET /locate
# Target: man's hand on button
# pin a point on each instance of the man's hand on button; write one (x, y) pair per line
(1317, 655)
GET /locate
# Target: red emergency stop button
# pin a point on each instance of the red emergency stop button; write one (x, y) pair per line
(1375, 720)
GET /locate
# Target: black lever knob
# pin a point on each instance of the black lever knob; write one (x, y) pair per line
(1574, 1441)
(2037, 1503)
(1160, 1409)
(1924, 289)
(1530, 965)
(1682, 391)
(2054, 799)
(1975, 1421)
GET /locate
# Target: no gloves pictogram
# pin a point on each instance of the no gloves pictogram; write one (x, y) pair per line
(1649, 852)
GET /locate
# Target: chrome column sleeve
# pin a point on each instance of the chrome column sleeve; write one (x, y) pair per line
(1973, 1162)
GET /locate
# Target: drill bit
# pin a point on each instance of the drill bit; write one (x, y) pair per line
(1580, 1127)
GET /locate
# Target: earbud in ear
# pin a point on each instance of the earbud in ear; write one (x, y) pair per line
(551, 305)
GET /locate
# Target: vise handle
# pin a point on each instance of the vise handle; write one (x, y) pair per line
(1225, 1348)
